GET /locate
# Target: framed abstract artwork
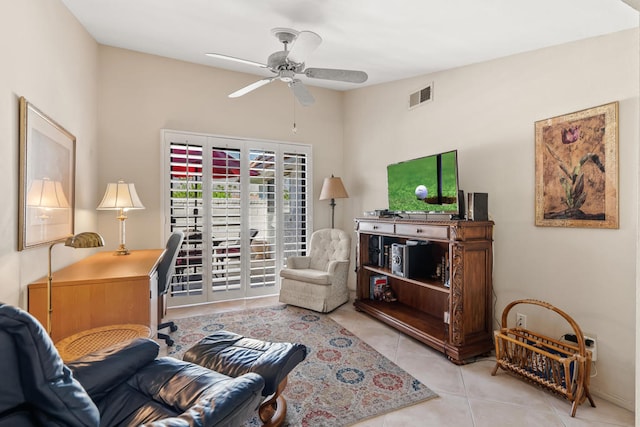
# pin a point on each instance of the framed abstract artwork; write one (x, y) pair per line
(577, 169)
(47, 179)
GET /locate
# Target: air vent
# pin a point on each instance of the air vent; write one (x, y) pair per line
(421, 96)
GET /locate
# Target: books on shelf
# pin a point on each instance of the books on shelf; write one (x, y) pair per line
(378, 285)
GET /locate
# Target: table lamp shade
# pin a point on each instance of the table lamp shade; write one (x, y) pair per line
(120, 195)
(85, 240)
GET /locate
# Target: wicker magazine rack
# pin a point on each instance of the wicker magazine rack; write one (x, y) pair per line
(560, 367)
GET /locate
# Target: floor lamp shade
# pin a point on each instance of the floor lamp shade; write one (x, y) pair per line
(332, 188)
(81, 240)
(121, 196)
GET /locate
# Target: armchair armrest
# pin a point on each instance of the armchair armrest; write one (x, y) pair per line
(298, 262)
(101, 371)
(338, 267)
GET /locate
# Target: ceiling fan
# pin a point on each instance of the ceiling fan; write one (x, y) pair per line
(285, 64)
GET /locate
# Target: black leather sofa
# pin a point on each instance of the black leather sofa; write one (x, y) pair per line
(126, 385)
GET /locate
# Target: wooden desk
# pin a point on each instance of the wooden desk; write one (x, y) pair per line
(100, 290)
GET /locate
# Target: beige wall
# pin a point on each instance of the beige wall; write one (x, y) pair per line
(48, 58)
(141, 94)
(487, 111)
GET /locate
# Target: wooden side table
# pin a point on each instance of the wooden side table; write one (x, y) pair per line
(85, 342)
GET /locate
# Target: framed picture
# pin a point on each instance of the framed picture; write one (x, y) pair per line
(47, 179)
(577, 169)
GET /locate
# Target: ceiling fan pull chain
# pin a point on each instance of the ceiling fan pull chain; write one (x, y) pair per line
(294, 130)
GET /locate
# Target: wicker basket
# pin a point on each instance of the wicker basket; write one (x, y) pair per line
(557, 366)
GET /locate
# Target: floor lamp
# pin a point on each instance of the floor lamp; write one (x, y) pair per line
(81, 240)
(332, 188)
(122, 197)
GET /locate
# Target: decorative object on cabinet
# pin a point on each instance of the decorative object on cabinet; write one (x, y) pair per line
(332, 188)
(47, 177)
(447, 302)
(122, 197)
(577, 169)
(81, 240)
(559, 367)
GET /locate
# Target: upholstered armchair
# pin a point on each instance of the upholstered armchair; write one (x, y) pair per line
(318, 281)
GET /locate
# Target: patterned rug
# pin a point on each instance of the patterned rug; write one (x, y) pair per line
(342, 381)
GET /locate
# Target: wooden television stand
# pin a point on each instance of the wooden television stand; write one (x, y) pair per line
(444, 295)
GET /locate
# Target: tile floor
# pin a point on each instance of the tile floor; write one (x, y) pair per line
(468, 395)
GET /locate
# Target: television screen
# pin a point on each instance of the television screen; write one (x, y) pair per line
(425, 184)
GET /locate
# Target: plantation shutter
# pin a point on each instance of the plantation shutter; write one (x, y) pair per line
(244, 206)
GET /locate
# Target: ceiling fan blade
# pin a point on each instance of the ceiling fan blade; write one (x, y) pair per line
(301, 93)
(350, 76)
(306, 42)
(252, 86)
(233, 58)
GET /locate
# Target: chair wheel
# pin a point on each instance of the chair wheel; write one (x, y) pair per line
(170, 343)
(173, 328)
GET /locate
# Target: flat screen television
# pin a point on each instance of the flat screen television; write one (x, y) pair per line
(425, 184)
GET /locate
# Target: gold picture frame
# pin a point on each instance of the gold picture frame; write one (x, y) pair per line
(577, 169)
(47, 179)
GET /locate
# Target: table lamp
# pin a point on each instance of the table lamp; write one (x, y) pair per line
(122, 197)
(332, 188)
(81, 240)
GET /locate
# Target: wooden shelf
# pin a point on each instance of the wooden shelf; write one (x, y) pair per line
(433, 284)
(422, 326)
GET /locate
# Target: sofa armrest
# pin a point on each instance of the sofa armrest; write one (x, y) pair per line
(101, 371)
(298, 262)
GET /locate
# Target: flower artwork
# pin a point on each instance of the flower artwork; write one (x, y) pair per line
(576, 169)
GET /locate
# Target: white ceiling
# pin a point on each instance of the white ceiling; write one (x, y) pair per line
(389, 39)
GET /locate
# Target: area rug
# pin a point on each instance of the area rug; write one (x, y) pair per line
(342, 381)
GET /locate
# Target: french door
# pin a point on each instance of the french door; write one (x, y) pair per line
(244, 206)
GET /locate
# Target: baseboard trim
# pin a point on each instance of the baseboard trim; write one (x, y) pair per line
(615, 399)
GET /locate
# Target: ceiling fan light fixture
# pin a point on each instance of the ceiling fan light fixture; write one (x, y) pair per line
(286, 63)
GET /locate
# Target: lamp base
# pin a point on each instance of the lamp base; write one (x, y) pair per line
(122, 251)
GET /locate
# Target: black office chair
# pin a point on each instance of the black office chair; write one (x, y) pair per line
(165, 271)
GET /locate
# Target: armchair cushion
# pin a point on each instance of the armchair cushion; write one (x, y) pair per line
(103, 370)
(327, 245)
(316, 277)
